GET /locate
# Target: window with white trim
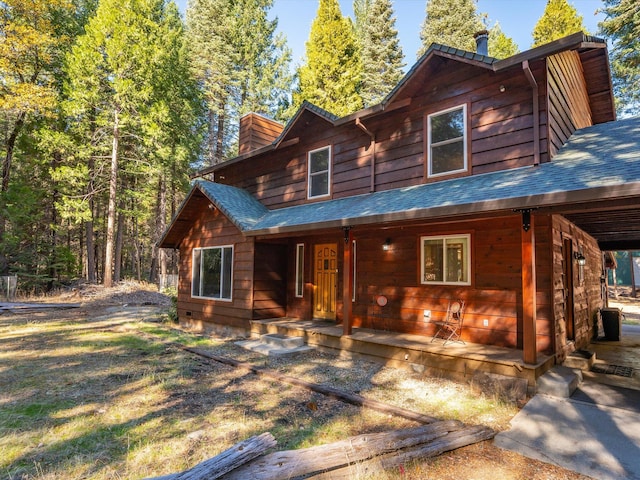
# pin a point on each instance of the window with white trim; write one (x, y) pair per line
(446, 260)
(300, 270)
(212, 272)
(319, 176)
(447, 141)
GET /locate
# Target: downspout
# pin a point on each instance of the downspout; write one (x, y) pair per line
(536, 112)
(372, 187)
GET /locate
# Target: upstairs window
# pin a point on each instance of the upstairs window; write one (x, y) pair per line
(447, 142)
(446, 260)
(212, 272)
(319, 172)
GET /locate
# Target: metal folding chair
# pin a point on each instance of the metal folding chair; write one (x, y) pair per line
(450, 328)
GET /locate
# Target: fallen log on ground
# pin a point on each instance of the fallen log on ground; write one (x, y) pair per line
(324, 458)
(14, 307)
(227, 461)
(452, 441)
(345, 459)
(323, 389)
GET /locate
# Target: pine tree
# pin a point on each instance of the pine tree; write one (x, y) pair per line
(332, 74)
(117, 75)
(452, 23)
(360, 11)
(558, 20)
(501, 46)
(381, 52)
(622, 27)
(241, 64)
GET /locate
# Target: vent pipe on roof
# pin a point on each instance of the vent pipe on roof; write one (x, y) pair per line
(482, 42)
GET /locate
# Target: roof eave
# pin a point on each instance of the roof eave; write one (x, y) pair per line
(541, 201)
(162, 243)
(576, 40)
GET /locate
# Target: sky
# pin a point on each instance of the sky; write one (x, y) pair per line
(516, 17)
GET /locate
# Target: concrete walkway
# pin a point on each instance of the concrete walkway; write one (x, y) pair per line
(595, 432)
(597, 440)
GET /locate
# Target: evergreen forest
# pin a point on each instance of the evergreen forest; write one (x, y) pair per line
(108, 108)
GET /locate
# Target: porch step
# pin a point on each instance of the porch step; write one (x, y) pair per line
(275, 344)
(559, 382)
(581, 359)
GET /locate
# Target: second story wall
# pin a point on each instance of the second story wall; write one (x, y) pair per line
(568, 100)
(445, 104)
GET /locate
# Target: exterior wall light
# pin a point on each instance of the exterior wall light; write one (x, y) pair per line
(580, 258)
(386, 246)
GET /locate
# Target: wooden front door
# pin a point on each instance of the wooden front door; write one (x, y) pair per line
(567, 285)
(326, 281)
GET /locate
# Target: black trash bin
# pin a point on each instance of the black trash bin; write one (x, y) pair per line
(611, 323)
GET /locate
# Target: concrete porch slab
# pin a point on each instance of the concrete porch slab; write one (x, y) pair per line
(274, 344)
(559, 382)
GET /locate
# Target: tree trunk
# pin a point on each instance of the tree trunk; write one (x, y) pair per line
(6, 173)
(117, 268)
(219, 152)
(211, 137)
(159, 258)
(111, 209)
(54, 272)
(9, 148)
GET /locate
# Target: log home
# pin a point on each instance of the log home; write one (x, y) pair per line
(498, 182)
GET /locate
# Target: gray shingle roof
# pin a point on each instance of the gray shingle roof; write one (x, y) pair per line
(597, 162)
(239, 206)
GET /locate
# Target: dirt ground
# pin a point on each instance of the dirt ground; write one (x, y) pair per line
(622, 298)
(96, 392)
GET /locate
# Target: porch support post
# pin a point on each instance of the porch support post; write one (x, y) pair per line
(347, 281)
(529, 347)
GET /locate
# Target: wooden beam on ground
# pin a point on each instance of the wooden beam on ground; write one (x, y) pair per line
(14, 307)
(452, 441)
(236, 456)
(323, 389)
(326, 458)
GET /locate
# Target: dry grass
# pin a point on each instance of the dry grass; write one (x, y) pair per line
(101, 392)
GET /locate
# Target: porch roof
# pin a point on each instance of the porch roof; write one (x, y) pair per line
(598, 163)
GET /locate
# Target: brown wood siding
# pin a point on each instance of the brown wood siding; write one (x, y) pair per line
(502, 122)
(211, 228)
(595, 65)
(494, 294)
(587, 295)
(501, 136)
(270, 281)
(568, 99)
(257, 131)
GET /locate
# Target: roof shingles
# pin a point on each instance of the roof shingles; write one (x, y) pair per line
(605, 155)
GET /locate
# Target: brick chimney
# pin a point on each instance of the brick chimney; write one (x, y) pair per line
(257, 131)
(482, 42)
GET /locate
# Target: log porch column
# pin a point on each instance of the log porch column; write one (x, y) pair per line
(347, 281)
(529, 347)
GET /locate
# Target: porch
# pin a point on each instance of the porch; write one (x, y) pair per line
(415, 352)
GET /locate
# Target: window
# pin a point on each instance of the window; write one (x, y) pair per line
(446, 260)
(212, 272)
(319, 172)
(447, 145)
(300, 270)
